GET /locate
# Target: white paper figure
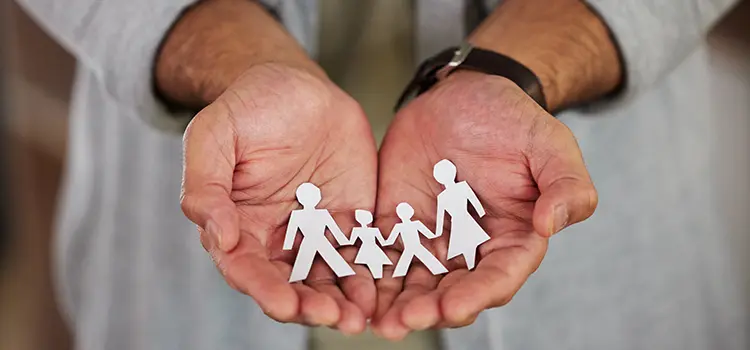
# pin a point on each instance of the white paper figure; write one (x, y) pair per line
(409, 230)
(312, 223)
(466, 234)
(369, 252)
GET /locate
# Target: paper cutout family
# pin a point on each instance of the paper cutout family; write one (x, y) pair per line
(466, 234)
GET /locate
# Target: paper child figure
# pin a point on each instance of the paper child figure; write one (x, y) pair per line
(312, 223)
(466, 234)
(369, 252)
(409, 231)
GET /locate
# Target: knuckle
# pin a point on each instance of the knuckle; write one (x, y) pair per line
(592, 200)
(198, 123)
(279, 315)
(232, 285)
(187, 204)
(456, 318)
(205, 240)
(465, 322)
(504, 300)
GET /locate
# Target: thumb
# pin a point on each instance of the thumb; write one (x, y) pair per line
(567, 195)
(209, 151)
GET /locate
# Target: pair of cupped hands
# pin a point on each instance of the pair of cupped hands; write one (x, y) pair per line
(277, 126)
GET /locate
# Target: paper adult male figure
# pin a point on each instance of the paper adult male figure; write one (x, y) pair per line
(409, 230)
(466, 234)
(312, 223)
(369, 252)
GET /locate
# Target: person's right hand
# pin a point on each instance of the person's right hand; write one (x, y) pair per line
(245, 154)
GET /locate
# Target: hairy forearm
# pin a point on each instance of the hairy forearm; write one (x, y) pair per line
(214, 43)
(562, 41)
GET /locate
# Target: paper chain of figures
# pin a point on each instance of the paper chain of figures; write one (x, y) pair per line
(466, 234)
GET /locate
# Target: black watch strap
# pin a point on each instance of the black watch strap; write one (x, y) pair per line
(476, 59)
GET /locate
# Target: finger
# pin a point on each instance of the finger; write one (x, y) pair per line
(262, 280)
(493, 283)
(565, 202)
(443, 324)
(418, 282)
(388, 287)
(209, 244)
(359, 288)
(352, 320)
(316, 308)
(423, 311)
(567, 195)
(207, 177)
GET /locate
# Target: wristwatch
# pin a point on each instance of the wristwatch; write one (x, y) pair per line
(472, 58)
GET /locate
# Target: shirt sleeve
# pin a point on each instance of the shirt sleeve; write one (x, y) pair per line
(117, 41)
(655, 36)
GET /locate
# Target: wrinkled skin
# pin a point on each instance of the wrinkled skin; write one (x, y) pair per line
(524, 165)
(245, 154)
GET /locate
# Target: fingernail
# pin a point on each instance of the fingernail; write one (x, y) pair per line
(214, 231)
(560, 218)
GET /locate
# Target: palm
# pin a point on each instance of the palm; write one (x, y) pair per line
(287, 130)
(490, 146)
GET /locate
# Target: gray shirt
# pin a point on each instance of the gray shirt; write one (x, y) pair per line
(660, 266)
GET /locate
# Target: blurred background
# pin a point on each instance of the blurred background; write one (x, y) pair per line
(36, 76)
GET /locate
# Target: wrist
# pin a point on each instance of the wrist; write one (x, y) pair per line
(479, 83)
(208, 88)
(214, 43)
(563, 42)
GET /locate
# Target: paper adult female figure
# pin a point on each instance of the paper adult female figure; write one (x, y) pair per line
(466, 234)
(369, 253)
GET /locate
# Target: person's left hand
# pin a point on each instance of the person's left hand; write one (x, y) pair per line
(524, 165)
